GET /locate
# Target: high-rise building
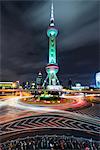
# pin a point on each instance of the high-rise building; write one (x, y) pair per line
(51, 81)
(39, 80)
(69, 83)
(98, 80)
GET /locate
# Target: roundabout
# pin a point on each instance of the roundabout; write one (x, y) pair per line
(62, 102)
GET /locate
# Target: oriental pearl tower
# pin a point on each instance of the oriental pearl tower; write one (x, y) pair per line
(51, 82)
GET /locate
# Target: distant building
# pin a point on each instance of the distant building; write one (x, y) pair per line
(9, 85)
(27, 85)
(78, 86)
(39, 80)
(98, 80)
(69, 83)
(32, 85)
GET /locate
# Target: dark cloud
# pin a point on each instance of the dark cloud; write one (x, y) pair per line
(24, 44)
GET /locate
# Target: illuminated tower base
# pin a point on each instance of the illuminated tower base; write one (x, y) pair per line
(51, 81)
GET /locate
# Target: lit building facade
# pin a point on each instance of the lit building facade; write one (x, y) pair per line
(98, 80)
(39, 81)
(9, 85)
(51, 81)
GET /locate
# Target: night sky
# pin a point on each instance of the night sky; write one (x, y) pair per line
(24, 43)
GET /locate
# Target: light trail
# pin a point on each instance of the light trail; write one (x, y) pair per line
(15, 102)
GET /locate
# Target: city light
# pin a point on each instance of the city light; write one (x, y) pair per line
(98, 80)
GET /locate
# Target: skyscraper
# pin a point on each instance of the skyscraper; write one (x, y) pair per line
(98, 80)
(51, 81)
(39, 81)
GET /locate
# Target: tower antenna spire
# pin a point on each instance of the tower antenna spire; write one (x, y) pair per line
(52, 15)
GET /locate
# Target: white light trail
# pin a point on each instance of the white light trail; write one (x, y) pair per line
(15, 102)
